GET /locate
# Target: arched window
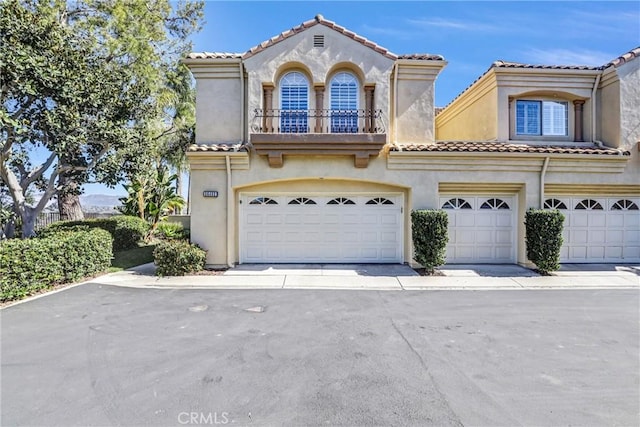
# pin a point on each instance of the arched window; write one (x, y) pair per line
(456, 204)
(379, 201)
(341, 201)
(302, 201)
(494, 204)
(263, 201)
(554, 204)
(589, 205)
(344, 103)
(294, 103)
(624, 205)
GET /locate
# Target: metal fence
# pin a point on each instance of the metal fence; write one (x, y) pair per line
(46, 218)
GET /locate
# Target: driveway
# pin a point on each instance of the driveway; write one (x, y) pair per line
(106, 355)
(384, 276)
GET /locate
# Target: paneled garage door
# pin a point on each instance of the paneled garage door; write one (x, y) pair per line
(481, 229)
(599, 229)
(324, 228)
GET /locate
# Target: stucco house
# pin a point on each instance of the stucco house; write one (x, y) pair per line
(314, 147)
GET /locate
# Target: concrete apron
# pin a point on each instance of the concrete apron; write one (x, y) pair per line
(381, 277)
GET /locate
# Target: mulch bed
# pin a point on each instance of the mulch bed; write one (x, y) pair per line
(423, 272)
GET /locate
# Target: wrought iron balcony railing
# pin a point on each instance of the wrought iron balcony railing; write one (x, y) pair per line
(318, 121)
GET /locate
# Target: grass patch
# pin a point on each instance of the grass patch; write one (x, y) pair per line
(132, 257)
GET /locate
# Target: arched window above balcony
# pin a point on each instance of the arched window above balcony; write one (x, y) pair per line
(294, 103)
(344, 103)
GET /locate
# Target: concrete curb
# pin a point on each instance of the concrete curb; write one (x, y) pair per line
(352, 281)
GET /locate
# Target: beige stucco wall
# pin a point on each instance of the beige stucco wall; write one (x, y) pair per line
(608, 110)
(482, 113)
(219, 106)
(319, 65)
(417, 181)
(474, 118)
(485, 111)
(415, 116)
(629, 75)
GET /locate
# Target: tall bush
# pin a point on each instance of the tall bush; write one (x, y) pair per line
(429, 230)
(126, 231)
(544, 238)
(29, 265)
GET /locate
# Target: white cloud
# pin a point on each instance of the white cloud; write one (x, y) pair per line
(453, 24)
(567, 57)
(391, 32)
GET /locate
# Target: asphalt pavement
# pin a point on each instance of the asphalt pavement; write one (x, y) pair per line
(97, 354)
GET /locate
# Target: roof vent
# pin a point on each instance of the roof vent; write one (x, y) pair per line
(318, 40)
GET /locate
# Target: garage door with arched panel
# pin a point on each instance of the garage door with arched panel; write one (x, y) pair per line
(598, 229)
(481, 229)
(321, 228)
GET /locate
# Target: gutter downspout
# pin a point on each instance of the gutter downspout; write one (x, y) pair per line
(230, 212)
(593, 110)
(242, 130)
(395, 103)
(543, 174)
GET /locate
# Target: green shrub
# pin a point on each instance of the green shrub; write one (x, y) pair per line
(178, 257)
(544, 238)
(126, 231)
(171, 231)
(429, 230)
(29, 265)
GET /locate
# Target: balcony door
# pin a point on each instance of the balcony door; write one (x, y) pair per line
(344, 103)
(294, 103)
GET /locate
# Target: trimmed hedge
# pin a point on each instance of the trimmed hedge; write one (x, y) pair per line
(126, 231)
(429, 230)
(178, 257)
(544, 238)
(29, 265)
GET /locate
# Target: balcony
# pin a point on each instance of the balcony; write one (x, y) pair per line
(360, 133)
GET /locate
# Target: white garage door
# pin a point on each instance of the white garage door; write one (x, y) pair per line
(599, 229)
(481, 229)
(321, 228)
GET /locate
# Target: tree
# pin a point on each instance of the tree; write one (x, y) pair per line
(83, 82)
(149, 38)
(152, 199)
(58, 96)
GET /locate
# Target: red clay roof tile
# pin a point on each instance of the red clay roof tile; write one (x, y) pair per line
(221, 147)
(318, 20)
(502, 147)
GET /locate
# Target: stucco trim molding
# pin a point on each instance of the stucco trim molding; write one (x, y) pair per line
(209, 160)
(505, 162)
(277, 145)
(592, 190)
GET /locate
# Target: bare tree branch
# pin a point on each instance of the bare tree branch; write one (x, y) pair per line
(36, 173)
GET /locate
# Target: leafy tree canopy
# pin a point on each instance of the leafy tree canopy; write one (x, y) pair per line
(89, 83)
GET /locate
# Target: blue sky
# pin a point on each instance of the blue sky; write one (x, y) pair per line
(470, 35)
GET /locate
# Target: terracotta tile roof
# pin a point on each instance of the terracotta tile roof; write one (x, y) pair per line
(505, 64)
(215, 55)
(318, 20)
(224, 147)
(422, 57)
(624, 58)
(502, 147)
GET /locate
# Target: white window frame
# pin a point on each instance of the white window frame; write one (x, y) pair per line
(547, 126)
(297, 121)
(344, 100)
